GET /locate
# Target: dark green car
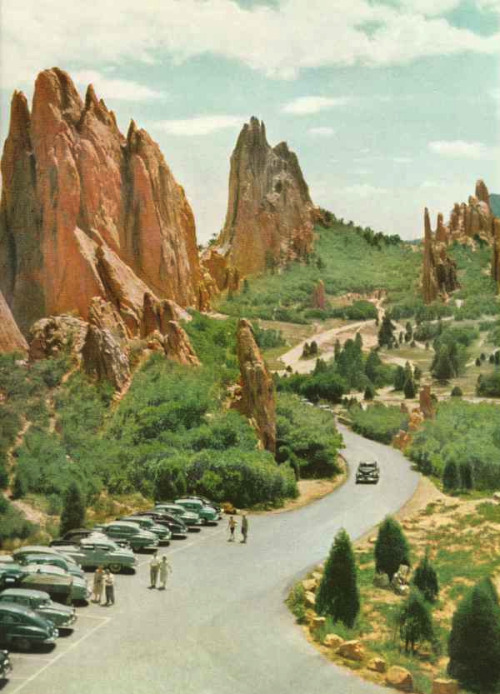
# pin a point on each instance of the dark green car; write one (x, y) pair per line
(53, 560)
(22, 628)
(62, 616)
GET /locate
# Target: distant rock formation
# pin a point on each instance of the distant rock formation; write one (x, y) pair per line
(257, 398)
(495, 260)
(11, 338)
(270, 214)
(319, 296)
(224, 276)
(86, 212)
(439, 274)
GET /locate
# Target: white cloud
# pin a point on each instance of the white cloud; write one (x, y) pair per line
(279, 40)
(458, 149)
(199, 125)
(306, 105)
(111, 88)
(324, 131)
(364, 190)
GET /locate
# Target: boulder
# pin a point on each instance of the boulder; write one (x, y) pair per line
(496, 496)
(377, 665)
(333, 641)
(309, 584)
(49, 337)
(381, 580)
(439, 271)
(399, 678)
(352, 650)
(310, 598)
(444, 686)
(318, 622)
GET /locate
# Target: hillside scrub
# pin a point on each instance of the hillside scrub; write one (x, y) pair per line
(13, 525)
(378, 422)
(464, 433)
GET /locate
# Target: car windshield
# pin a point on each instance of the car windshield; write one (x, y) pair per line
(368, 466)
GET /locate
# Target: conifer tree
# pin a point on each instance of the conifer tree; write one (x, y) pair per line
(338, 595)
(426, 579)
(73, 512)
(451, 479)
(409, 389)
(391, 548)
(399, 378)
(466, 476)
(386, 332)
(474, 643)
(415, 621)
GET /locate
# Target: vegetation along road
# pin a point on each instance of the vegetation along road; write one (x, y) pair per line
(222, 626)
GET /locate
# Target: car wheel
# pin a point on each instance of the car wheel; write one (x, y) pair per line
(115, 568)
(22, 643)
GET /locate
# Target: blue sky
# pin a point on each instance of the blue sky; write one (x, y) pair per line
(391, 105)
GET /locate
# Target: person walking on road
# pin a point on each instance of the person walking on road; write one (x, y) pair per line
(154, 566)
(244, 528)
(232, 527)
(164, 570)
(109, 587)
(98, 585)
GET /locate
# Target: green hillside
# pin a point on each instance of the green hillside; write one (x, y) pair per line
(495, 204)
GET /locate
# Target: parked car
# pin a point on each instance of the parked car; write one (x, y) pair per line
(66, 563)
(5, 665)
(43, 550)
(207, 502)
(163, 533)
(60, 585)
(101, 551)
(62, 616)
(10, 574)
(138, 539)
(22, 628)
(190, 519)
(173, 523)
(74, 537)
(368, 473)
(206, 513)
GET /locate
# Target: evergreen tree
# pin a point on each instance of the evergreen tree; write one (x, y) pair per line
(456, 392)
(372, 366)
(417, 373)
(415, 621)
(73, 512)
(338, 595)
(442, 367)
(451, 479)
(474, 643)
(399, 378)
(313, 349)
(466, 476)
(20, 487)
(337, 349)
(409, 389)
(246, 286)
(386, 332)
(369, 393)
(391, 548)
(426, 579)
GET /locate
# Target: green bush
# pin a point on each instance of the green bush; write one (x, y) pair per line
(426, 580)
(338, 594)
(379, 422)
(488, 385)
(391, 548)
(12, 523)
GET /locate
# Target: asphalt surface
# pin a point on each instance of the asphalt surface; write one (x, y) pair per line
(221, 627)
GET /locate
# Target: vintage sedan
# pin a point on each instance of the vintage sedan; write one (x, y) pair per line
(164, 535)
(22, 628)
(18, 554)
(206, 513)
(102, 551)
(59, 560)
(190, 519)
(61, 585)
(173, 523)
(368, 473)
(62, 616)
(5, 665)
(137, 538)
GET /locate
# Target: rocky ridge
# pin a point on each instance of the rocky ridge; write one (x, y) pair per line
(270, 214)
(439, 273)
(87, 212)
(11, 338)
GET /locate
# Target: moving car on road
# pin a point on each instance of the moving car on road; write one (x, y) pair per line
(5, 665)
(101, 551)
(368, 473)
(138, 539)
(190, 519)
(206, 513)
(62, 616)
(23, 628)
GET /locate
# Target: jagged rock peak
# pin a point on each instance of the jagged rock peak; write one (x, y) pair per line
(482, 192)
(73, 186)
(439, 271)
(270, 214)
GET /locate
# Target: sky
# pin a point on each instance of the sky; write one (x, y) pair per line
(390, 105)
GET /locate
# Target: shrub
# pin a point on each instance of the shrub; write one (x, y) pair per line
(489, 385)
(415, 622)
(426, 580)
(466, 476)
(338, 595)
(451, 480)
(73, 513)
(12, 523)
(456, 392)
(391, 548)
(378, 422)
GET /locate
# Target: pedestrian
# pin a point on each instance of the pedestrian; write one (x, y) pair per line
(165, 568)
(244, 528)
(98, 585)
(154, 566)
(232, 528)
(109, 587)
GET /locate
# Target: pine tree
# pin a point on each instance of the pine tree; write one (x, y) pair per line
(451, 479)
(442, 367)
(426, 579)
(409, 389)
(337, 349)
(399, 378)
(73, 513)
(466, 476)
(415, 621)
(391, 548)
(386, 332)
(474, 643)
(372, 366)
(369, 393)
(417, 373)
(338, 595)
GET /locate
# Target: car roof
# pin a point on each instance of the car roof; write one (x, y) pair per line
(19, 609)
(25, 592)
(36, 549)
(122, 523)
(44, 569)
(7, 559)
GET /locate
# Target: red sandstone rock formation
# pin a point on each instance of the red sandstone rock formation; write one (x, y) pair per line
(103, 357)
(258, 400)
(225, 276)
(86, 212)
(11, 338)
(439, 274)
(319, 297)
(270, 215)
(426, 403)
(49, 337)
(177, 345)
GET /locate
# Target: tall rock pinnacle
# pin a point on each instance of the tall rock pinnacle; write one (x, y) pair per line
(269, 216)
(86, 212)
(439, 272)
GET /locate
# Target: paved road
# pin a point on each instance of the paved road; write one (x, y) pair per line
(221, 626)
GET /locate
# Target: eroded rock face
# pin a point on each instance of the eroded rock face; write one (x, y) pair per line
(495, 260)
(439, 273)
(270, 214)
(224, 276)
(11, 338)
(319, 296)
(104, 358)
(258, 399)
(86, 212)
(177, 345)
(49, 337)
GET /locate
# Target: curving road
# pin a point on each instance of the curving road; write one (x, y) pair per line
(221, 627)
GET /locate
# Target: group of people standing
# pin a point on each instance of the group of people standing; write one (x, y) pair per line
(103, 581)
(159, 569)
(244, 528)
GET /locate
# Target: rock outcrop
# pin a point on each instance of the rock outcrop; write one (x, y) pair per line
(49, 337)
(399, 678)
(257, 399)
(87, 212)
(11, 338)
(103, 357)
(177, 345)
(224, 276)
(270, 214)
(319, 296)
(495, 260)
(439, 274)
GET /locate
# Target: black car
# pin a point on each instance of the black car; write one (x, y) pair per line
(175, 525)
(368, 473)
(5, 665)
(72, 537)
